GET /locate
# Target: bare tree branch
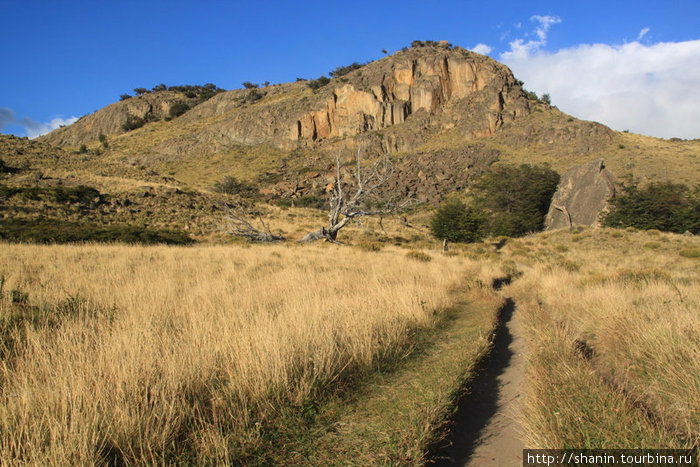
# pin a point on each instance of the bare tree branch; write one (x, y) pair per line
(344, 207)
(237, 225)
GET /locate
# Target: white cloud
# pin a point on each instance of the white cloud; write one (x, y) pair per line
(649, 89)
(545, 23)
(643, 33)
(519, 49)
(31, 127)
(482, 49)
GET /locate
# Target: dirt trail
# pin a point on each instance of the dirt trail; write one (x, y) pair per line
(486, 430)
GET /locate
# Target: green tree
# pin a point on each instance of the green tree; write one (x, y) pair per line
(457, 222)
(318, 83)
(671, 207)
(178, 109)
(516, 197)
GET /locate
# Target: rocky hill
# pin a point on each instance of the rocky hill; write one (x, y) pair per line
(424, 89)
(116, 118)
(442, 114)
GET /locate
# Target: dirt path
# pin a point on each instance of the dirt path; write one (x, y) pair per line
(485, 431)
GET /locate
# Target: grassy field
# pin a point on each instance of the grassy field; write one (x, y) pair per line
(215, 354)
(612, 323)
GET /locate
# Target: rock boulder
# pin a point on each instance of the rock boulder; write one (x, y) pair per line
(582, 195)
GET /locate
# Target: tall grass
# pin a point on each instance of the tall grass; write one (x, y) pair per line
(193, 352)
(615, 326)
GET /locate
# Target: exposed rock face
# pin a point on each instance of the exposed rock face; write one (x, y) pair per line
(109, 120)
(582, 195)
(416, 82)
(406, 97)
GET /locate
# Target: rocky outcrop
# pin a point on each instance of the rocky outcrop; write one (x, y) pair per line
(397, 102)
(582, 195)
(388, 92)
(109, 120)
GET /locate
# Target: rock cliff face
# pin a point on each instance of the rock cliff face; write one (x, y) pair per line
(582, 195)
(416, 82)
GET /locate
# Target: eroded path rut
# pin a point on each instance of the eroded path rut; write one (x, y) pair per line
(486, 429)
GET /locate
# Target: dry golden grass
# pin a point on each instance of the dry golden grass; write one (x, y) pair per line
(628, 301)
(186, 354)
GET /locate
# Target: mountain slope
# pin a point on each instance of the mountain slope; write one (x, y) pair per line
(440, 113)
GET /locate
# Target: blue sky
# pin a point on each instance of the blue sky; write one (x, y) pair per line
(630, 64)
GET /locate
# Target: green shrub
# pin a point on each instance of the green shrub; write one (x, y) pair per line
(63, 195)
(254, 95)
(283, 203)
(178, 109)
(124, 97)
(517, 198)
(59, 231)
(310, 201)
(664, 206)
(82, 149)
(133, 123)
(231, 186)
(457, 222)
(344, 70)
(318, 83)
(249, 85)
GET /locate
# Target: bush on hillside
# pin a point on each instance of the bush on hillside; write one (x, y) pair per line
(516, 197)
(133, 123)
(231, 186)
(178, 109)
(457, 222)
(344, 70)
(671, 207)
(318, 83)
(58, 231)
(62, 195)
(253, 95)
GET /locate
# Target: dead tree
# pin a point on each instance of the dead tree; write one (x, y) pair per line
(237, 225)
(347, 202)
